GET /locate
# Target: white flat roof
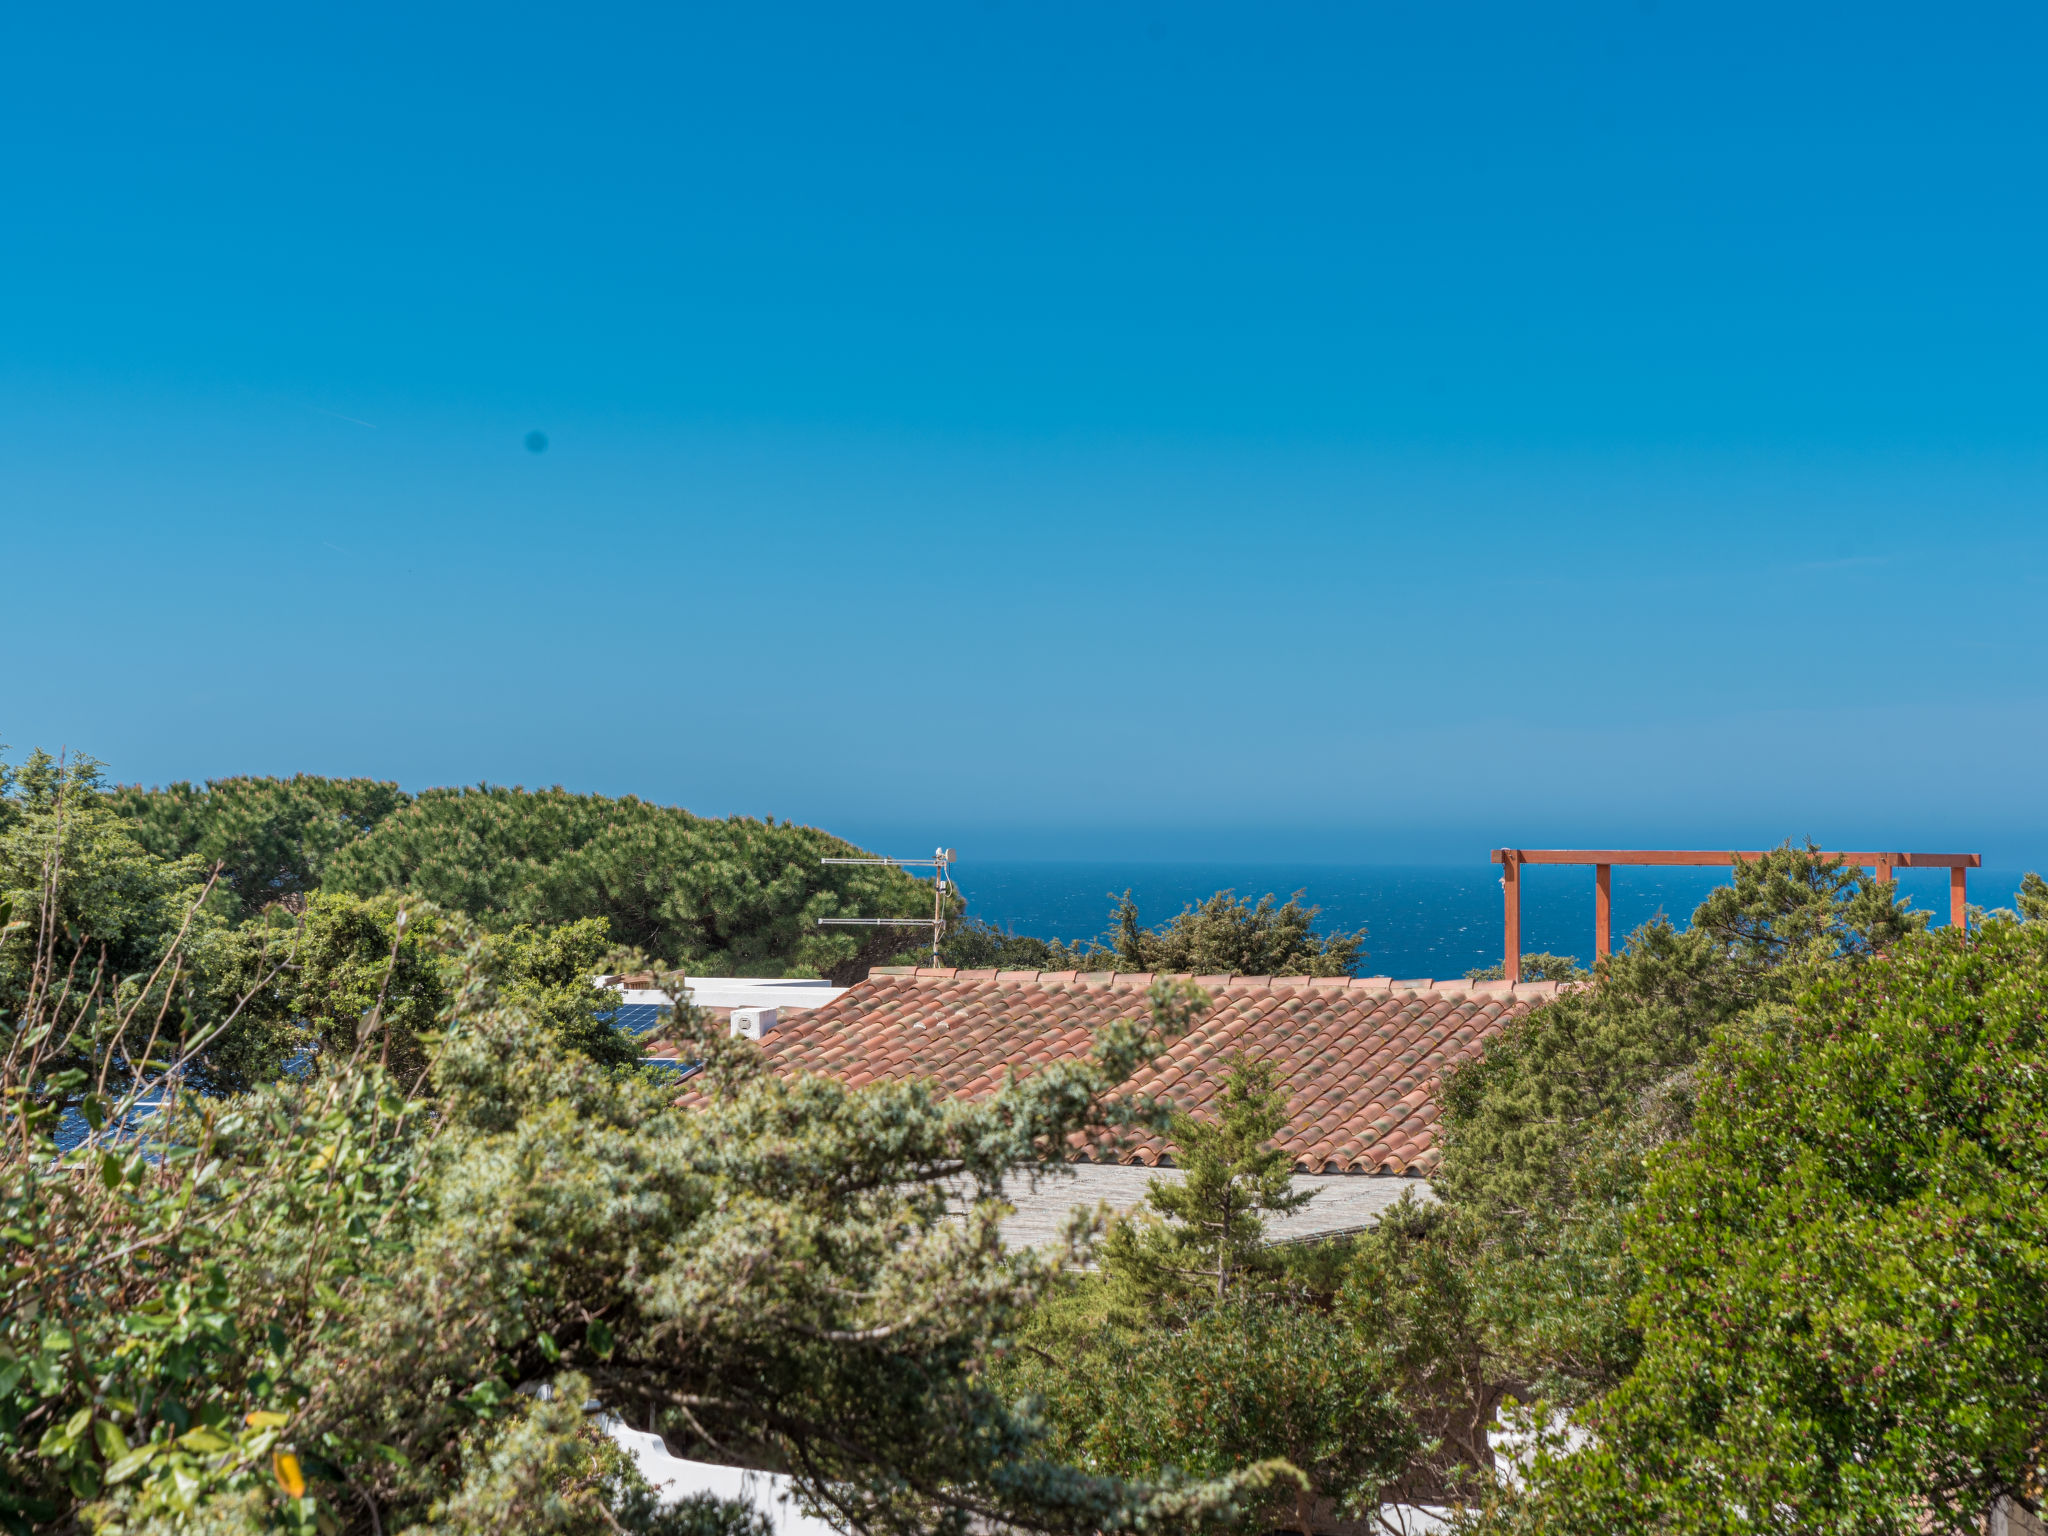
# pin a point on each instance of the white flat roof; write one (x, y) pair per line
(741, 992)
(1344, 1203)
(674, 1479)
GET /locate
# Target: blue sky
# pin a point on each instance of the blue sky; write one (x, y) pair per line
(1348, 431)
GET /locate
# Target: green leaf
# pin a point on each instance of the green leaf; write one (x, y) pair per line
(112, 1443)
(204, 1440)
(94, 1108)
(133, 1462)
(110, 1170)
(599, 1338)
(549, 1347)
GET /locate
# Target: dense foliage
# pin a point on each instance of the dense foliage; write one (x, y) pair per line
(330, 1303)
(677, 892)
(1225, 935)
(106, 882)
(72, 871)
(1255, 1381)
(1445, 1335)
(1768, 1293)
(732, 896)
(328, 1193)
(348, 954)
(1210, 1235)
(1844, 1266)
(973, 944)
(1196, 1346)
(275, 988)
(273, 838)
(1541, 966)
(1547, 1141)
(1639, 1225)
(1541, 1107)
(1222, 936)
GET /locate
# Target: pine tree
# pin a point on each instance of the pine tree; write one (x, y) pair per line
(1212, 1229)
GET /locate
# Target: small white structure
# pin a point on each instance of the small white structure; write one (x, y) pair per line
(753, 1023)
(675, 1479)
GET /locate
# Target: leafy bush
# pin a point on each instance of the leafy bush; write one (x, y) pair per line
(273, 838)
(1522, 1284)
(1197, 1349)
(1207, 1235)
(328, 1303)
(974, 945)
(1541, 966)
(1221, 936)
(712, 896)
(1224, 935)
(1844, 1299)
(1256, 1383)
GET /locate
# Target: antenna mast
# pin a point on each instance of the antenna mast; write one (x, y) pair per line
(941, 861)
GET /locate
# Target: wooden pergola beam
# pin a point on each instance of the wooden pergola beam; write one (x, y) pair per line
(1721, 856)
(1603, 861)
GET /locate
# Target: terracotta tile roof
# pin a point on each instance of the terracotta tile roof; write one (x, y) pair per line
(1360, 1056)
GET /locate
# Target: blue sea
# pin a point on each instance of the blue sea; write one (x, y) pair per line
(1421, 920)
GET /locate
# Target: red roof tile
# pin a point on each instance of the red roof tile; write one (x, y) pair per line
(1360, 1059)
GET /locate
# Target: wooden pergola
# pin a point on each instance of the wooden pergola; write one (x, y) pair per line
(1603, 861)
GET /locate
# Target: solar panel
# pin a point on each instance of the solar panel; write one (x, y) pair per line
(681, 1069)
(637, 1018)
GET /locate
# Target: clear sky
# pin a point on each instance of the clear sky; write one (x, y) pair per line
(1315, 430)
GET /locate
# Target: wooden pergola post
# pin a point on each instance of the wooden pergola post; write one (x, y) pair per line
(1884, 864)
(1511, 917)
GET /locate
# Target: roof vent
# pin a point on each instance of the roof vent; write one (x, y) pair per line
(753, 1022)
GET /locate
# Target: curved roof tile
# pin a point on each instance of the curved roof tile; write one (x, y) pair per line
(1361, 1056)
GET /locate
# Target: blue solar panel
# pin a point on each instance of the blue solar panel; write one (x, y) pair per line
(637, 1018)
(681, 1069)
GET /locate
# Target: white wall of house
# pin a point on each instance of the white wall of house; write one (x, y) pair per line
(674, 1479)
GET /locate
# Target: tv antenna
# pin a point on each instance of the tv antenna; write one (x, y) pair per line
(941, 861)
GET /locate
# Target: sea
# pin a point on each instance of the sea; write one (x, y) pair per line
(1421, 920)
